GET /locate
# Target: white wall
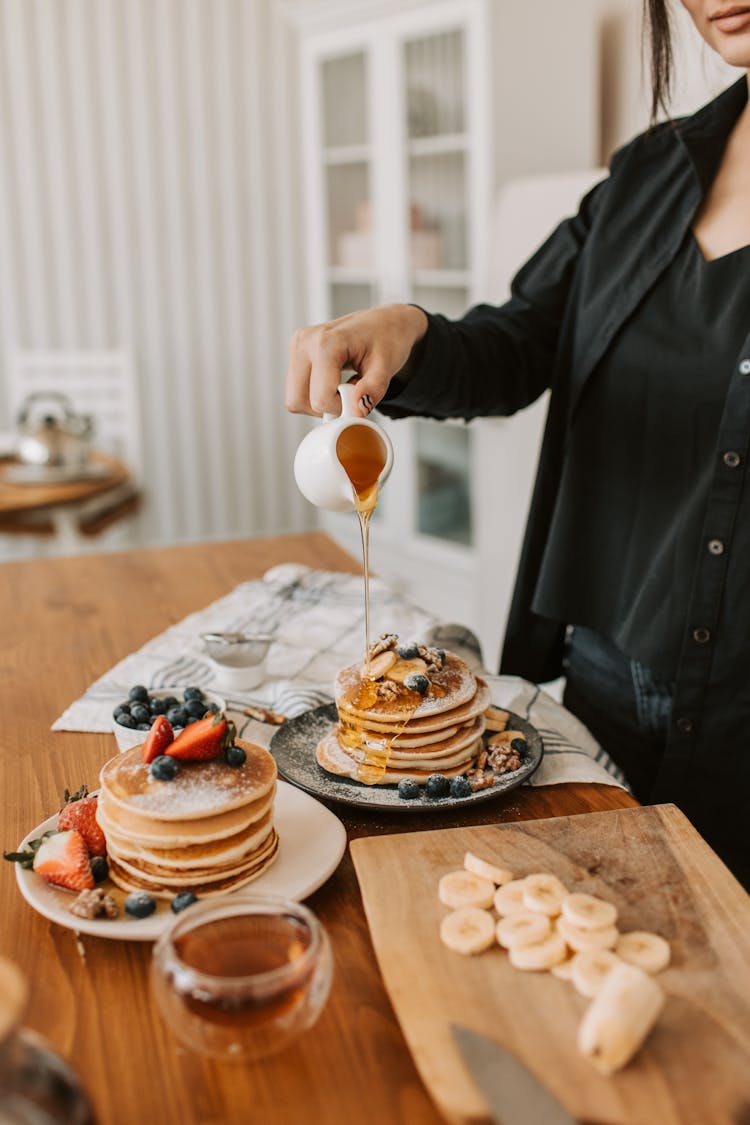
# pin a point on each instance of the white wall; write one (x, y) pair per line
(147, 202)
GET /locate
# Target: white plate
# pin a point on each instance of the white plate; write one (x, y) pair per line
(311, 843)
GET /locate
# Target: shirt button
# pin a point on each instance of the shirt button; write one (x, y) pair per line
(745, 367)
(731, 459)
(684, 725)
(701, 635)
(716, 546)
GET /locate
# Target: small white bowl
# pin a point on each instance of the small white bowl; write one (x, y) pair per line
(127, 737)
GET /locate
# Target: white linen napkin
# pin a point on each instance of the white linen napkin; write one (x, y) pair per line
(317, 619)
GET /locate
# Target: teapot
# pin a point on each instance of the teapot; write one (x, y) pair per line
(341, 456)
(51, 433)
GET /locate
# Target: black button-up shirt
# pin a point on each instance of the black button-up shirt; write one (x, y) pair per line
(566, 306)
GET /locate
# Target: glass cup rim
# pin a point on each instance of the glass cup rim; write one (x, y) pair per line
(237, 903)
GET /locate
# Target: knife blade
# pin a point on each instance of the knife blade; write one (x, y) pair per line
(513, 1094)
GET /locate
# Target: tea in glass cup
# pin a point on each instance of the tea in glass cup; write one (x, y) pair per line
(239, 977)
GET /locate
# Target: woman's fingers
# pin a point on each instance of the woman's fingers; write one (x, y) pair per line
(374, 343)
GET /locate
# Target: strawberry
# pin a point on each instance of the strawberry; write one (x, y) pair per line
(63, 860)
(79, 812)
(157, 739)
(202, 741)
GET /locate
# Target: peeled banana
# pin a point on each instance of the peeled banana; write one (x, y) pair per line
(619, 1018)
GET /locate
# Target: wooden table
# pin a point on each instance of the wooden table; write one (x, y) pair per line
(69, 508)
(64, 622)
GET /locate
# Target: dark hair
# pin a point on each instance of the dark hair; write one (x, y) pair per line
(657, 25)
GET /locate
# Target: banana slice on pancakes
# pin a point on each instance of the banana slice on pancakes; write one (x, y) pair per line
(646, 951)
(496, 875)
(463, 888)
(468, 930)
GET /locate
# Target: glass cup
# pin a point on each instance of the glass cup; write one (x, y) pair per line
(240, 976)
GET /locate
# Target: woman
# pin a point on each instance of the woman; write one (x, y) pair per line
(636, 314)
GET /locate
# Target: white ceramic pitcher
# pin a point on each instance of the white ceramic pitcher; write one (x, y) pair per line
(320, 476)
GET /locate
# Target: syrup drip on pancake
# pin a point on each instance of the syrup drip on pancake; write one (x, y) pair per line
(374, 753)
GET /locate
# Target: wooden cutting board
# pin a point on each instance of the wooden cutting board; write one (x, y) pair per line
(695, 1065)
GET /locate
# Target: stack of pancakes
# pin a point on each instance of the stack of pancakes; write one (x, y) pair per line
(208, 830)
(387, 733)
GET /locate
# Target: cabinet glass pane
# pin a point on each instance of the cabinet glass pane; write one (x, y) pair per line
(434, 77)
(349, 221)
(346, 298)
(443, 481)
(344, 101)
(451, 302)
(437, 193)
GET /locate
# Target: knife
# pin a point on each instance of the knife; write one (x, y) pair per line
(513, 1094)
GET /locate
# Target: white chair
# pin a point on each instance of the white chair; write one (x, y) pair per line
(103, 385)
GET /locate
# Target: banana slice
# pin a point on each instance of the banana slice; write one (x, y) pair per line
(505, 737)
(588, 912)
(565, 969)
(468, 930)
(646, 951)
(590, 969)
(543, 893)
(522, 927)
(509, 898)
(379, 665)
(485, 870)
(581, 940)
(401, 669)
(542, 955)
(495, 718)
(619, 1018)
(463, 888)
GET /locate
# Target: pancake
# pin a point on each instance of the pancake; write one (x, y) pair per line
(410, 711)
(207, 830)
(334, 758)
(200, 789)
(450, 686)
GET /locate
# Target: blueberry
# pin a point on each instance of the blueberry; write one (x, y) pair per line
(140, 904)
(408, 789)
(139, 693)
(234, 756)
(417, 681)
(437, 785)
(408, 651)
(122, 709)
(143, 726)
(196, 708)
(177, 716)
(182, 901)
(518, 744)
(157, 706)
(140, 713)
(460, 786)
(126, 721)
(164, 768)
(99, 868)
(212, 707)
(192, 693)
(169, 702)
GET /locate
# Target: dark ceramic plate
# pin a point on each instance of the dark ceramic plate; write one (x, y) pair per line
(293, 746)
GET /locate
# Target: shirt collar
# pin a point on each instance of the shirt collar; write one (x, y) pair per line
(705, 134)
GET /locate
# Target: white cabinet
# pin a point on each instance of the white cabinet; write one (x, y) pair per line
(398, 116)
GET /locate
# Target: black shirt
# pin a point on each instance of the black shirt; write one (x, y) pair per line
(640, 458)
(567, 306)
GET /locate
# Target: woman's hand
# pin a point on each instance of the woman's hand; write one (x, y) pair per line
(376, 343)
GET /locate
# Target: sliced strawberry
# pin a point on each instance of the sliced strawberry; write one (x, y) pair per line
(202, 741)
(157, 739)
(63, 860)
(80, 813)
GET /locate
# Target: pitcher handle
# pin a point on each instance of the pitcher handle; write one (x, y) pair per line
(348, 393)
